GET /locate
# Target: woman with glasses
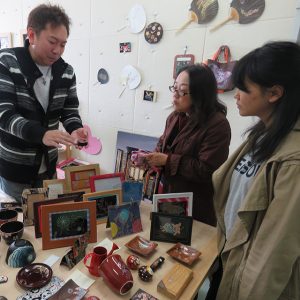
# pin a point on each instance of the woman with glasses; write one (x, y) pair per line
(195, 141)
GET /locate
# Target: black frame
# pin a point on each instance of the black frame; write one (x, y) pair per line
(158, 233)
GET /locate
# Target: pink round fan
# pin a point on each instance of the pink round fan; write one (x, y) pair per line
(94, 145)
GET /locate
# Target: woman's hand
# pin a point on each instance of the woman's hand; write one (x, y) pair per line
(156, 159)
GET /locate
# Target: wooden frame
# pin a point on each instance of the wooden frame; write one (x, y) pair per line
(174, 203)
(107, 182)
(29, 197)
(55, 187)
(37, 210)
(103, 199)
(61, 223)
(171, 228)
(5, 40)
(78, 177)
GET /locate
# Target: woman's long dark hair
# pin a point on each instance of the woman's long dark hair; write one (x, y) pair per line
(276, 63)
(203, 91)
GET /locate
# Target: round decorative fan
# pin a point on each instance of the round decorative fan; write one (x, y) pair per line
(153, 33)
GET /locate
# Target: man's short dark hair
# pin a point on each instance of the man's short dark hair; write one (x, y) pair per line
(45, 14)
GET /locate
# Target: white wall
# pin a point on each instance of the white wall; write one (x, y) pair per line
(94, 43)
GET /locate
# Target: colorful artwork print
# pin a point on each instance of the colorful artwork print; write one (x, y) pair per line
(173, 206)
(142, 295)
(64, 225)
(171, 228)
(124, 219)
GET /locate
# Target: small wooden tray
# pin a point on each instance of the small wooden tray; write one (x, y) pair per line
(183, 253)
(176, 280)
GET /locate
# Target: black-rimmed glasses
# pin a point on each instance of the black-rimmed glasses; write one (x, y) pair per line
(179, 92)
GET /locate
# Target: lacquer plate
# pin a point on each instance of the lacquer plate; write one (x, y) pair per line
(141, 246)
(184, 253)
(34, 276)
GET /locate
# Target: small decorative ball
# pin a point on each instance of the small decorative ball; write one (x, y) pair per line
(145, 273)
(92, 298)
(133, 262)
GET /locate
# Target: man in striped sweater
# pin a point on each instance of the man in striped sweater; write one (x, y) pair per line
(37, 91)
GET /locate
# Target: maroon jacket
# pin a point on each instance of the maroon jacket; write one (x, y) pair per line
(195, 153)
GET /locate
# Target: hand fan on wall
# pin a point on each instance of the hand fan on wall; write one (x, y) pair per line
(201, 11)
(130, 77)
(137, 18)
(244, 11)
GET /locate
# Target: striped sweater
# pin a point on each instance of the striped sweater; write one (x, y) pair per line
(23, 121)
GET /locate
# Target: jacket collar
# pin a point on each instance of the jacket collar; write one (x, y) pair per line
(259, 197)
(30, 69)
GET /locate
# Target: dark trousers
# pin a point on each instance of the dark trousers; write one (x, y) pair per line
(215, 283)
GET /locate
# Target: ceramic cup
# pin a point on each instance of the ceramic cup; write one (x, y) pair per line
(11, 231)
(7, 215)
(116, 274)
(96, 257)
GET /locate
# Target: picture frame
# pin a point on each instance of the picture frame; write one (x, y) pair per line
(55, 187)
(78, 177)
(37, 210)
(63, 223)
(181, 61)
(29, 197)
(171, 228)
(174, 203)
(149, 95)
(124, 219)
(5, 40)
(105, 182)
(104, 199)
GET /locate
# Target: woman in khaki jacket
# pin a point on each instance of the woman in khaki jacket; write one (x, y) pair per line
(257, 191)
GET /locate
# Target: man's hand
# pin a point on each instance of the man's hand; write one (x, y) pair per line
(80, 135)
(55, 137)
(156, 159)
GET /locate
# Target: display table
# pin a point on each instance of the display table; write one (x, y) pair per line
(203, 239)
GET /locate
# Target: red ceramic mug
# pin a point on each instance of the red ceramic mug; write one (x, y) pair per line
(116, 274)
(97, 256)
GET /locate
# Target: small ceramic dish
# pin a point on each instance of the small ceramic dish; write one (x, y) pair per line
(184, 253)
(34, 276)
(141, 246)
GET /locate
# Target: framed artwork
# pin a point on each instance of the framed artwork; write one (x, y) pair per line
(77, 195)
(78, 177)
(180, 204)
(29, 197)
(55, 187)
(124, 219)
(106, 182)
(171, 228)
(5, 40)
(64, 223)
(132, 191)
(37, 210)
(181, 61)
(104, 199)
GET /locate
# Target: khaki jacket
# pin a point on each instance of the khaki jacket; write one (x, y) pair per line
(261, 257)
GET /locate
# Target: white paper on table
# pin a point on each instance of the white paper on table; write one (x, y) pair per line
(51, 260)
(81, 279)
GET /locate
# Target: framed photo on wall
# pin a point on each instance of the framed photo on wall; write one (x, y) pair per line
(64, 223)
(78, 177)
(105, 182)
(104, 199)
(175, 203)
(171, 228)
